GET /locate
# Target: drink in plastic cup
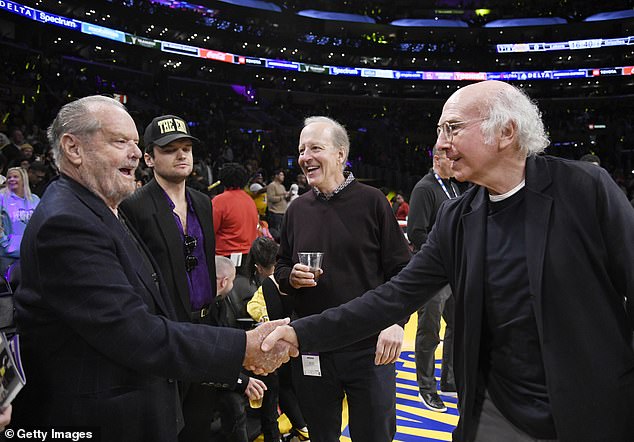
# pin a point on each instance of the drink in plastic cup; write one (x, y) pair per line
(256, 403)
(313, 261)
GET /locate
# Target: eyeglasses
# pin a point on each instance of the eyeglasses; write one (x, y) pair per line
(189, 244)
(449, 129)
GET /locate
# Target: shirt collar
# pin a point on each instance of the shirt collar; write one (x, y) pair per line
(173, 206)
(349, 178)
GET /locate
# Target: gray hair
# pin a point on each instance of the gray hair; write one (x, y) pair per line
(337, 131)
(512, 104)
(77, 118)
(224, 266)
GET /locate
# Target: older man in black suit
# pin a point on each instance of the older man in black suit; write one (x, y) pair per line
(101, 347)
(539, 255)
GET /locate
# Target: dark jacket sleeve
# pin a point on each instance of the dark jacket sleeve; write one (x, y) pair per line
(397, 299)
(89, 295)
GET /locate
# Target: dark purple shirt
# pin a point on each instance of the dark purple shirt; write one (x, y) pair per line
(198, 279)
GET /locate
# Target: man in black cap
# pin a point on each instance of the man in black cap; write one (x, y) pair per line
(176, 224)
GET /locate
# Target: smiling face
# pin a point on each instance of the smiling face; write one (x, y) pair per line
(110, 156)
(173, 162)
(14, 181)
(321, 161)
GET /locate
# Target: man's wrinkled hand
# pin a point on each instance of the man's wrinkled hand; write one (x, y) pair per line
(260, 362)
(284, 333)
(388, 346)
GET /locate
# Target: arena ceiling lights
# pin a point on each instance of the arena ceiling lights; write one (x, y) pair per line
(225, 57)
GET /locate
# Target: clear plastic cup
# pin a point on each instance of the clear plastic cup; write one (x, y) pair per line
(313, 260)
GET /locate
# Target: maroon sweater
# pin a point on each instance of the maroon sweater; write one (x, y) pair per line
(362, 243)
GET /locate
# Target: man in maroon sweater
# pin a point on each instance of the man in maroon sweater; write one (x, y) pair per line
(363, 247)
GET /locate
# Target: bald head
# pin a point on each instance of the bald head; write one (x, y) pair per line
(501, 105)
(225, 274)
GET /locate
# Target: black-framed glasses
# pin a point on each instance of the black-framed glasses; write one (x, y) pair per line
(189, 244)
(449, 129)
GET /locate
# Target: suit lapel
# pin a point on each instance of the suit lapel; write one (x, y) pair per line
(538, 209)
(125, 237)
(166, 224)
(474, 227)
(141, 258)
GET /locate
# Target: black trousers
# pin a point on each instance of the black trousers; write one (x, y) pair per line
(268, 411)
(289, 403)
(428, 338)
(201, 402)
(370, 391)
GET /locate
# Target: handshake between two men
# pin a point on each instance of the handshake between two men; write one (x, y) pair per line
(270, 345)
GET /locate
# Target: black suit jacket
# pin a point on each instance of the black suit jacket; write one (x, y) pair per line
(99, 342)
(148, 211)
(580, 257)
(150, 214)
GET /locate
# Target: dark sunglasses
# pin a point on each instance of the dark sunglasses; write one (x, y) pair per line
(189, 245)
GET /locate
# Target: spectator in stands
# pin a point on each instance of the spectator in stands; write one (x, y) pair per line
(277, 198)
(259, 262)
(201, 174)
(12, 150)
(26, 152)
(539, 254)
(17, 204)
(171, 217)
(267, 303)
(363, 247)
(49, 160)
(403, 207)
(302, 184)
(427, 197)
(235, 215)
(294, 192)
(257, 190)
(231, 404)
(37, 177)
(98, 331)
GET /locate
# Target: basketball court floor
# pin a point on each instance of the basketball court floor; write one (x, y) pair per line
(415, 423)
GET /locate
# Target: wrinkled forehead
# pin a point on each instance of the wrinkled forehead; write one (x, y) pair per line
(463, 104)
(115, 120)
(316, 133)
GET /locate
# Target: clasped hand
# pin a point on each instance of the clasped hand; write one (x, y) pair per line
(262, 359)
